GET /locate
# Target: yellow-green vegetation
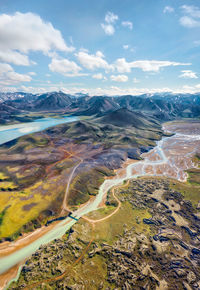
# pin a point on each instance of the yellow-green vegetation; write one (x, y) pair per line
(4, 185)
(145, 142)
(87, 183)
(102, 212)
(3, 176)
(24, 206)
(33, 140)
(194, 176)
(107, 230)
(95, 268)
(16, 216)
(26, 172)
(2, 215)
(12, 169)
(41, 141)
(194, 173)
(190, 191)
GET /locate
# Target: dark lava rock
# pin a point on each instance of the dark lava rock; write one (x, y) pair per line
(171, 218)
(163, 239)
(160, 238)
(195, 251)
(192, 234)
(166, 206)
(183, 245)
(145, 149)
(156, 238)
(148, 222)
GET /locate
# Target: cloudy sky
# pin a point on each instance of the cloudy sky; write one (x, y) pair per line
(100, 46)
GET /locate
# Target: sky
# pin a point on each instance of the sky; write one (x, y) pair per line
(100, 47)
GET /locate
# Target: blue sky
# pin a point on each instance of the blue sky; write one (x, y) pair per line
(100, 47)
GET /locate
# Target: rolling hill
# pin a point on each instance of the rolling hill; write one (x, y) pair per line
(126, 118)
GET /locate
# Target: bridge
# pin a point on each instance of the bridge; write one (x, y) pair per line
(72, 217)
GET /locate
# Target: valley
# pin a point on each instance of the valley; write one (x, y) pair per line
(159, 159)
(36, 168)
(116, 178)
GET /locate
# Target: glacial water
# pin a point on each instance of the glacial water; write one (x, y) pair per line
(11, 132)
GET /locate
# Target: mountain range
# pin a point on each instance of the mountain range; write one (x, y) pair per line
(163, 107)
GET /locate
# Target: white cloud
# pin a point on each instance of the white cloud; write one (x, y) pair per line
(97, 61)
(191, 89)
(109, 91)
(64, 67)
(98, 76)
(189, 22)
(119, 78)
(123, 66)
(93, 61)
(12, 77)
(188, 74)
(191, 17)
(21, 33)
(4, 67)
(114, 90)
(128, 24)
(193, 11)
(168, 9)
(100, 54)
(9, 77)
(111, 17)
(108, 26)
(30, 89)
(14, 57)
(154, 65)
(27, 31)
(32, 73)
(125, 46)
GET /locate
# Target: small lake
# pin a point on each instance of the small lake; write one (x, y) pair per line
(11, 132)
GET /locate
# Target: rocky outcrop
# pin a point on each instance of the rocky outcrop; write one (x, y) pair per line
(165, 257)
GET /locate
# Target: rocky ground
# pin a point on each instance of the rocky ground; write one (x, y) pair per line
(152, 242)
